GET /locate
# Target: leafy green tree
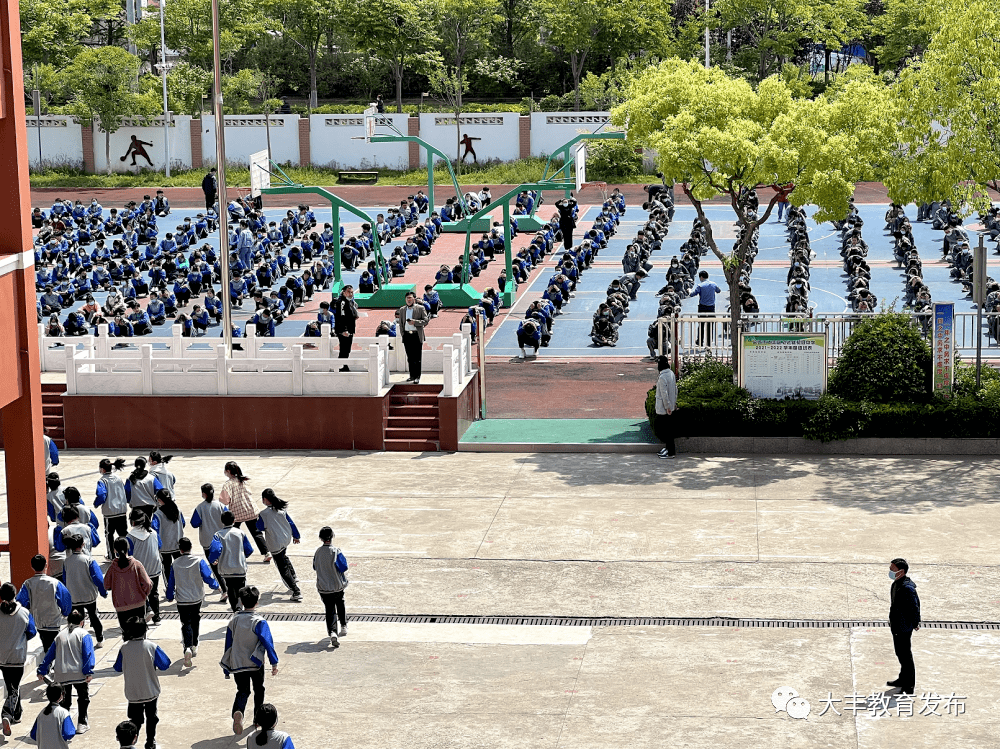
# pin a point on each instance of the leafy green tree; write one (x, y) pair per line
(716, 135)
(903, 30)
(400, 32)
(305, 23)
(186, 85)
(239, 89)
(951, 144)
(54, 31)
(463, 28)
(105, 88)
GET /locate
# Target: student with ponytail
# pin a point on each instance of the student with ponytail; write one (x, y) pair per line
(158, 467)
(268, 738)
(144, 544)
(168, 522)
(16, 627)
(73, 526)
(279, 531)
(112, 500)
(236, 496)
(139, 659)
(73, 499)
(54, 497)
(141, 488)
(53, 728)
(48, 600)
(129, 584)
(71, 658)
(207, 518)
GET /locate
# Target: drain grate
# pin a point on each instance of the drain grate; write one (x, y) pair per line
(571, 621)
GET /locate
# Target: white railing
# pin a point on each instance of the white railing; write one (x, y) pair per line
(217, 374)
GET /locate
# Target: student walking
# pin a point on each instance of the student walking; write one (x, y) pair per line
(185, 582)
(411, 319)
(71, 658)
(331, 580)
(84, 580)
(279, 531)
(666, 404)
(74, 526)
(16, 627)
(168, 522)
(158, 467)
(53, 728)
(138, 660)
(144, 545)
(268, 738)
(113, 501)
(129, 583)
(230, 549)
(141, 488)
(236, 496)
(207, 518)
(48, 600)
(705, 291)
(904, 620)
(247, 633)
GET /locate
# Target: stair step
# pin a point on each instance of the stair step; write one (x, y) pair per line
(411, 433)
(422, 399)
(52, 421)
(54, 387)
(416, 389)
(406, 411)
(409, 421)
(52, 409)
(411, 446)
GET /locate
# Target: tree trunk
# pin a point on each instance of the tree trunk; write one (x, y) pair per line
(509, 29)
(576, 68)
(398, 70)
(313, 95)
(107, 149)
(458, 141)
(826, 65)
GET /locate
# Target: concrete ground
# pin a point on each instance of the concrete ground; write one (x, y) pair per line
(588, 535)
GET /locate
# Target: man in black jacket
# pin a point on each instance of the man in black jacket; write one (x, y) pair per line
(345, 322)
(210, 186)
(904, 620)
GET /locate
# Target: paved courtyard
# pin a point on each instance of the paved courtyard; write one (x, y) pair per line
(592, 535)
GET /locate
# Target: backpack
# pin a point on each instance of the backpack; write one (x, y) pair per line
(341, 563)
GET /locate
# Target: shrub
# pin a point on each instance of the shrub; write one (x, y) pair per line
(884, 360)
(612, 161)
(836, 419)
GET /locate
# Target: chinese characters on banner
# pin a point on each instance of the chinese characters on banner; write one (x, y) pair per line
(944, 347)
(784, 365)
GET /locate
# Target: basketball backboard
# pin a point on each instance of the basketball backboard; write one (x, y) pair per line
(370, 123)
(580, 161)
(260, 173)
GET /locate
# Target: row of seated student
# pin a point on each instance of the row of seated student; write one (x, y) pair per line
(916, 295)
(800, 256)
(854, 250)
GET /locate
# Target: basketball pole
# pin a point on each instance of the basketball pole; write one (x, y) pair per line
(163, 75)
(220, 164)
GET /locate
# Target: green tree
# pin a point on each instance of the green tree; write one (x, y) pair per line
(305, 23)
(951, 145)
(239, 89)
(186, 85)
(105, 88)
(904, 29)
(400, 32)
(54, 31)
(719, 136)
(463, 28)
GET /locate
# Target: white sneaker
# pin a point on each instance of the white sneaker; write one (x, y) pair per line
(187, 658)
(522, 354)
(194, 651)
(237, 722)
(82, 728)
(343, 630)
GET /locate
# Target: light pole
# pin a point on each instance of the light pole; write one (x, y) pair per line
(708, 62)
(220, 164)
(163, 72)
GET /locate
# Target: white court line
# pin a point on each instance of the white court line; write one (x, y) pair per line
(409, 509)
(366, 551)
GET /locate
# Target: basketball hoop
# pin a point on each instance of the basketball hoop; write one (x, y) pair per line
(602, 186)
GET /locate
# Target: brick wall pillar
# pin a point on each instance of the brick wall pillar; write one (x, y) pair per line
(305, 154)
(88, 149)
(413, 128)
(524, 136)
(197, 159)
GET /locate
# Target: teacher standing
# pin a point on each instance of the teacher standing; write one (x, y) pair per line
(411, 319)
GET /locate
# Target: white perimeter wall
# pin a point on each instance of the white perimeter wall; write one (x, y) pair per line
(149, 131)
(498, 133)
(247, 134)
(549, 130)
(62, 141)
(332, 144)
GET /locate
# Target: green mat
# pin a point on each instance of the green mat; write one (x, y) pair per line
(559, 432)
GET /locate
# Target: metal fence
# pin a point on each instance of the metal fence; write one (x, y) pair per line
(707, 334)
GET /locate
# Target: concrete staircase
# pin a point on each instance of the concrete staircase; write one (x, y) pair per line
(414, 421)
(52, 412)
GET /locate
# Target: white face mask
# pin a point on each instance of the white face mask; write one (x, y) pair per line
(892, 575)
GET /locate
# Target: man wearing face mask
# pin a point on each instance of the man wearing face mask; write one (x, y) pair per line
(904, 620)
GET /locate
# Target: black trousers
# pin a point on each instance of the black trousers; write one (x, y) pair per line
(215, 571)
(258, 536)
(153, 599)
(209, 201)
(414, 353)
(566, 227)
(345, 345)
(90, 609)
(286, 570)
(167, 560)
(904, 653)
(704, 328)
(145, 712)
(335, 609)
(190, 614)
(47, 636)
(82, 699)
(663, 427)
(244, 680)
(233, 585)
(139, 612)
(114, 526)
(12, 676)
